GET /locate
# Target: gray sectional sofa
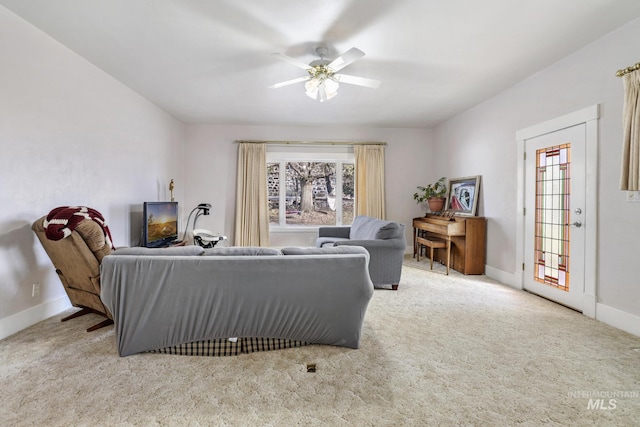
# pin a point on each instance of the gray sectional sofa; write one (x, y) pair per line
(161, 298)
(384, 240)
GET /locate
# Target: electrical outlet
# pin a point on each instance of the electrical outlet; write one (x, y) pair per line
(35, 290)
(633, 196)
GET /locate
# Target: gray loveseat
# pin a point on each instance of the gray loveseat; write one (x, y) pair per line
(167, 297)
(384, 240)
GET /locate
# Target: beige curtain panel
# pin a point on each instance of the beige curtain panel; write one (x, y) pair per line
(630, 174)
(252, 209)
(370, 197)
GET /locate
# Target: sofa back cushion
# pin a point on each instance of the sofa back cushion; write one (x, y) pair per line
(170, 251)
(242, 251)
(327, 250)
(367, 228)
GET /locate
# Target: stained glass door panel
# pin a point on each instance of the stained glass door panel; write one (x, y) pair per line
(554, 199)
(552, 231)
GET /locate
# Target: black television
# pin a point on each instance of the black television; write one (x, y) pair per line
(160, 224)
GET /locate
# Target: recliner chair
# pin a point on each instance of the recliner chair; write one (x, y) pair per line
(77, 260)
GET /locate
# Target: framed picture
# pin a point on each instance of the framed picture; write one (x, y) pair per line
(463, 195)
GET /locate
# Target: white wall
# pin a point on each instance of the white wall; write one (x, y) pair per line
(211, 172)
(70, 134)
(482, 142)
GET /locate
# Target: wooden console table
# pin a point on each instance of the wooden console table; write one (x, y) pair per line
(467, 236)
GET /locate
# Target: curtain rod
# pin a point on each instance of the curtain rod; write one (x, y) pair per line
(628, 70)
(308, 142)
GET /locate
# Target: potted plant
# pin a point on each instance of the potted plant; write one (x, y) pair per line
(434, 194)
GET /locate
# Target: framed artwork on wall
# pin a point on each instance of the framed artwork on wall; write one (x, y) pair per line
(463, 195)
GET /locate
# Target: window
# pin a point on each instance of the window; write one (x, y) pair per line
(310, 186)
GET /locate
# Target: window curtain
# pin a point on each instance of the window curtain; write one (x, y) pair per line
(630, 174)
(370, 198)
(252, 215)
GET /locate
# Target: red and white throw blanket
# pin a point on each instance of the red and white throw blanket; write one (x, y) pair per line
(62, 220)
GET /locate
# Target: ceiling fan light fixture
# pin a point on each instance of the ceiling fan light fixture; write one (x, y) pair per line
(325, 94)
(331, 85)
(322, 81)
(322, 89)
(312, 85)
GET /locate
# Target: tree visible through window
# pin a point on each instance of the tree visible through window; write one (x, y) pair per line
(310, 193)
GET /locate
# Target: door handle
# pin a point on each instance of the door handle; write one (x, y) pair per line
(576, 224)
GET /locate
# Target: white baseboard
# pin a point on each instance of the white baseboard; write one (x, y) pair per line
(611, 316)
(509, 279)
(19, 321)
(618, 319)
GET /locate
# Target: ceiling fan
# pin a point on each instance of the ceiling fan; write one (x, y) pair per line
(323, 81)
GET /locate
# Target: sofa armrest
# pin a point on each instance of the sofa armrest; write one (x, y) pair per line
(336, 231)
(378, 243)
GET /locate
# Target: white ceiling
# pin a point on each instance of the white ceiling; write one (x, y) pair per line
(208, 61)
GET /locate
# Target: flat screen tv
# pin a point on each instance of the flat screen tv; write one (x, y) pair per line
(160, 224)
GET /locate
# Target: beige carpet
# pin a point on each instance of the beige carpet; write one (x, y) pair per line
(456, 350)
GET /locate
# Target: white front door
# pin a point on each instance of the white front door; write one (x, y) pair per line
(554, 246)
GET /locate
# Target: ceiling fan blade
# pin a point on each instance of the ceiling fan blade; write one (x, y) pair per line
(359, 81)
(345, 59)
(290, 82)
(291, 60)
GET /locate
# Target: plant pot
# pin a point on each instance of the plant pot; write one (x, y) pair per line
(436, 204)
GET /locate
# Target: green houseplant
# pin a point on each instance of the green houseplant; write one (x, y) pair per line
(434, 194)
